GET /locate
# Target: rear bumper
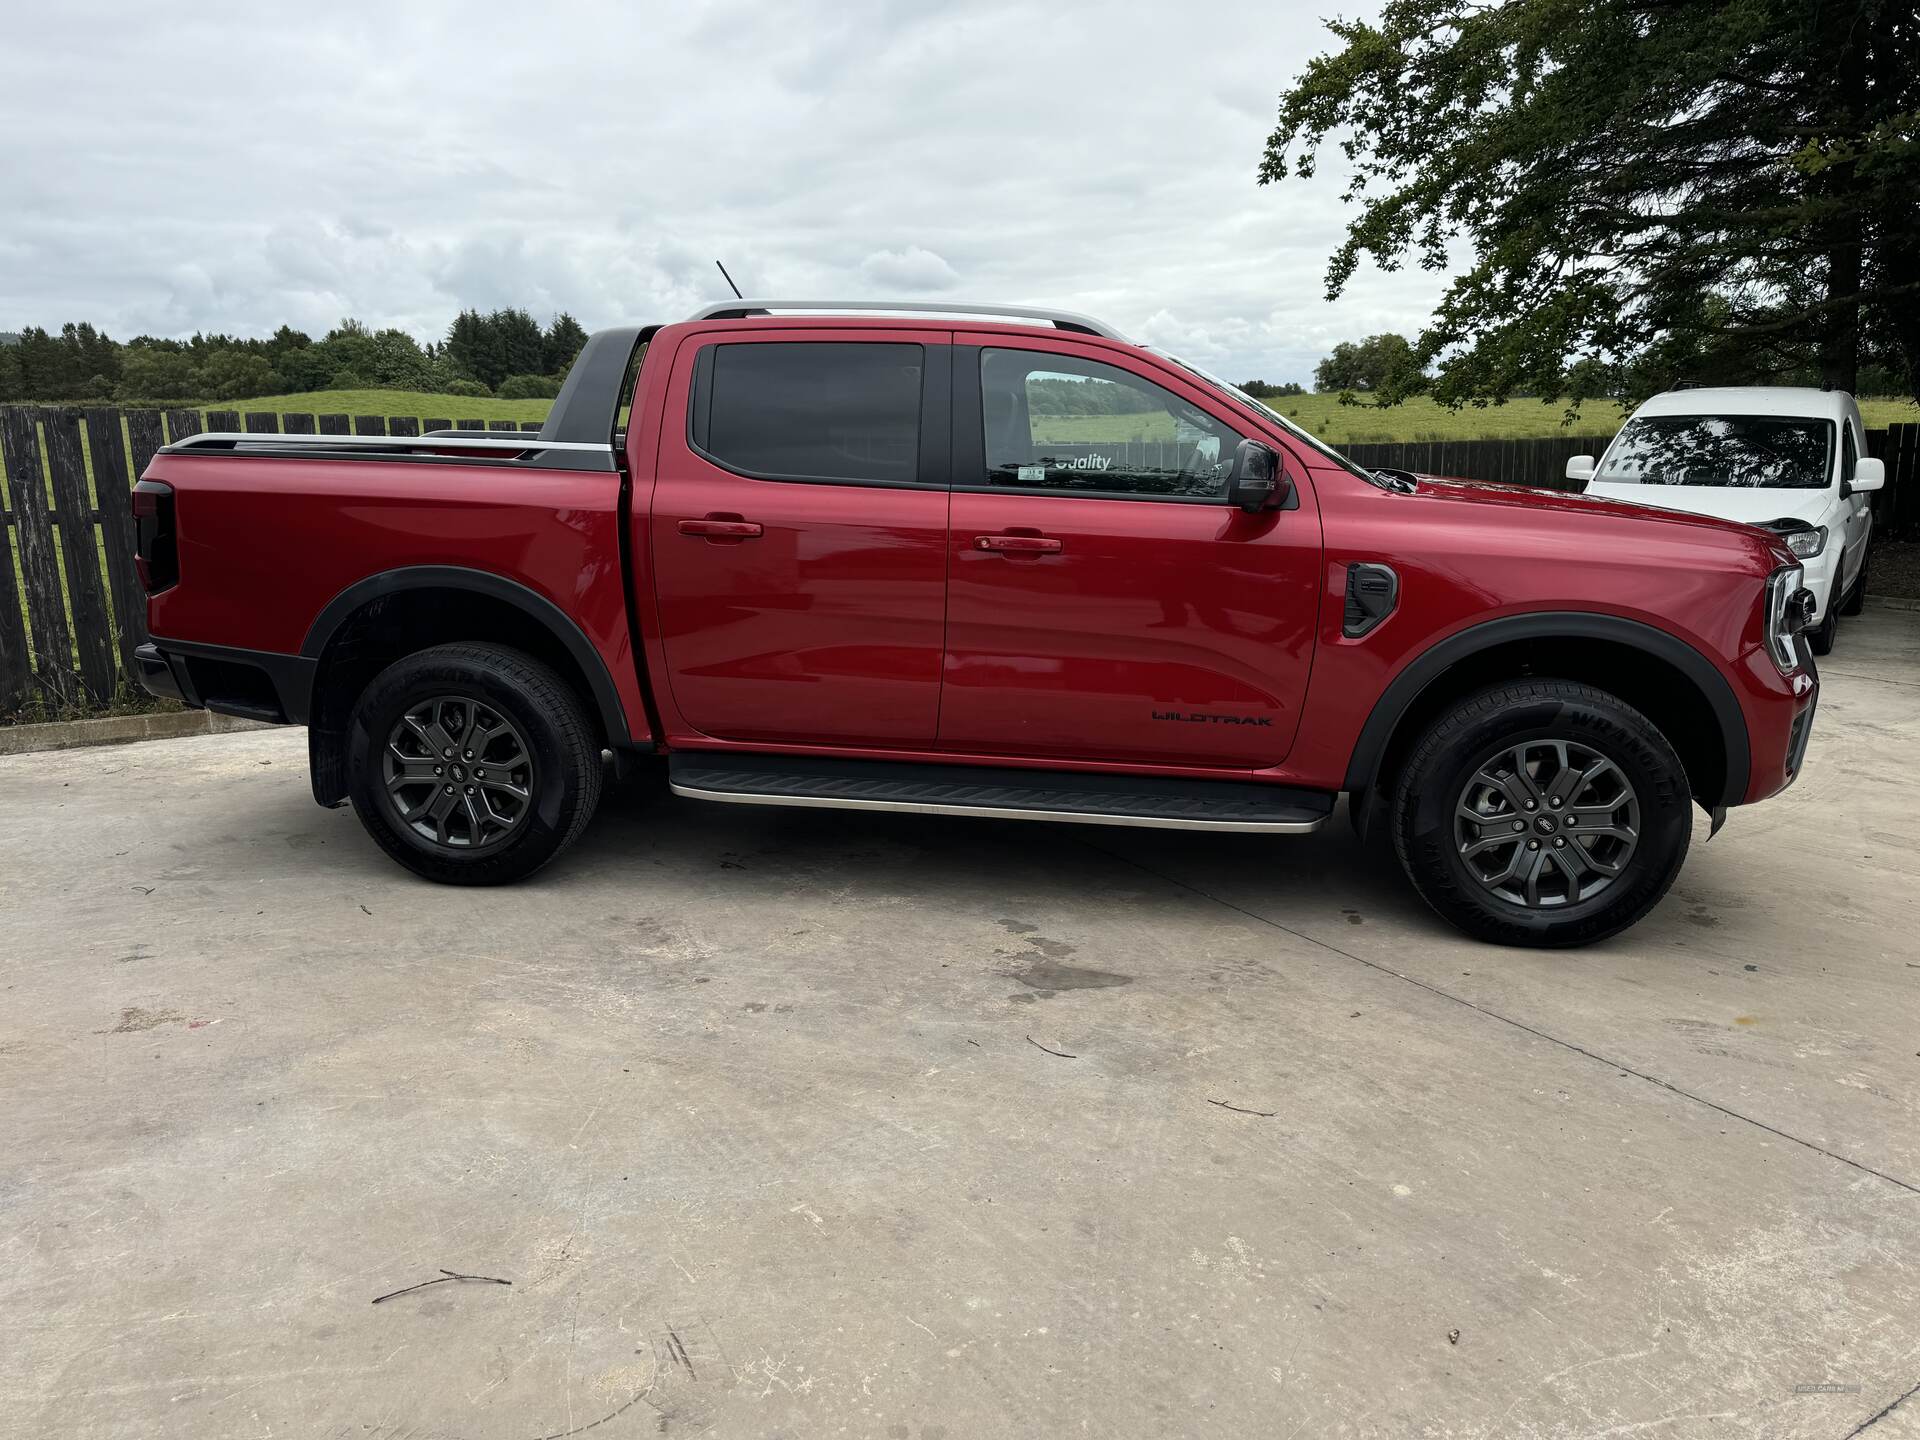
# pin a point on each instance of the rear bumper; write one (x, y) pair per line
(253, 684)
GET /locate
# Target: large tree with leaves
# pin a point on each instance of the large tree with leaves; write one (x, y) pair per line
(1631, 192)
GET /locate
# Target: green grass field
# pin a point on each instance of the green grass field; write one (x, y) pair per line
(1320, 415)
(419, 404)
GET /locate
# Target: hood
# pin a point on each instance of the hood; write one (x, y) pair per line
(1601, 500)
(1744, 504)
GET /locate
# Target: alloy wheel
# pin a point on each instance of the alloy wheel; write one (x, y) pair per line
(1547, 823)
(458, 773)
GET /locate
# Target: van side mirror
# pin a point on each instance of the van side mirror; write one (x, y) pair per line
(1255, 483)
(1869, 474)
(1581, 468)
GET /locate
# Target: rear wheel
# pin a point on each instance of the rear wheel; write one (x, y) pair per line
(1542, 812)
(472, 764)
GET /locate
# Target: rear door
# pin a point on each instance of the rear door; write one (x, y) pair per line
(1104, 601)
(799, 533)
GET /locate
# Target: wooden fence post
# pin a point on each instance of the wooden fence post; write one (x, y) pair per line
(144, 437)
(182, 423)
(262, 423)
(298, 424)
(113, 485)
(369, 424)
(403, 425)
(16, 676)
(86, 587)
(334, 425)
(39, 561)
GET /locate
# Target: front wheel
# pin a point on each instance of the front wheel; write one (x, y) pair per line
(1822, 636)
(472, 764)
(1857, 597)
(1542, 812)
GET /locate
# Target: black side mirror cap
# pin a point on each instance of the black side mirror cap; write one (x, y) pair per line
(1256, 481)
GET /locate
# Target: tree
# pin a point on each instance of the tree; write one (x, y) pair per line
(151, 373)
(1645, 184)
(561, 344)
(1378, 364)
(237, 375)
(1261, 390)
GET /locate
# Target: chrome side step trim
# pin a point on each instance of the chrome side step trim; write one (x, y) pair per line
(993, 812)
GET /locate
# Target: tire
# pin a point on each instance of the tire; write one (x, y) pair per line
(1857, 597)
(1821, 637)
(519, 716)
(1567, 728)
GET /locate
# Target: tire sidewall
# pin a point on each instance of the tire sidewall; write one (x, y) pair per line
(1659, 783)
(555, 792)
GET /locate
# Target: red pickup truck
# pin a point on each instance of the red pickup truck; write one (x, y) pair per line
(975, 561)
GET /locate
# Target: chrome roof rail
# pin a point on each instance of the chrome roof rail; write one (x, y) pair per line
(480, 440)
(497, 448)
(1059, 319)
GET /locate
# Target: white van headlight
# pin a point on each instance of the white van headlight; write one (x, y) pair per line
(1804, 540)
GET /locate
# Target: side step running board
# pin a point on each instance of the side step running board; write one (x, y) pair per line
(1072, 797)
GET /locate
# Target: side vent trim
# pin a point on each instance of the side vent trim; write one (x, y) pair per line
(1372, 593)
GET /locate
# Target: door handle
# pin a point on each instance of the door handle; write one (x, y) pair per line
(715, 527)
(1018, 544)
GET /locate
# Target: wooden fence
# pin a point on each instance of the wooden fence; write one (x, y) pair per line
(71, 611)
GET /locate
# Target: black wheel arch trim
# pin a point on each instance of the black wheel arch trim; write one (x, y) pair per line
(562, 626)
(1430, 664)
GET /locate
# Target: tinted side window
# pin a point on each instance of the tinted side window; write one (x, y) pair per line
(811, 411)
(1055, 422)
(1849, 455)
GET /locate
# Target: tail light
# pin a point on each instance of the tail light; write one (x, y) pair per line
(155, 555)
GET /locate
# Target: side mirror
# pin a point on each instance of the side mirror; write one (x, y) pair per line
(1869, 474)
(1581, 468)
(1255, 482)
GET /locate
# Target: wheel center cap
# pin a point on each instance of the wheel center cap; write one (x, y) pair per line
(459, 772)
(1545, 825)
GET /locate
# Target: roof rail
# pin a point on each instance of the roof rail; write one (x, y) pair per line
(1059, 319)
(461, 447)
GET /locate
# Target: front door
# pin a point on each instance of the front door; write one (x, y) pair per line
(1104, 602)
(798, 536)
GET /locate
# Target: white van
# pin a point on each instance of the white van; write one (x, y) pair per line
(1790, 460)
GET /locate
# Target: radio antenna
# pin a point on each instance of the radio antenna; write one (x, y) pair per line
(729, 279)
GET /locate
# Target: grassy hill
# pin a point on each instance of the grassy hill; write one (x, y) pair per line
(419, 404)
(1321, 415)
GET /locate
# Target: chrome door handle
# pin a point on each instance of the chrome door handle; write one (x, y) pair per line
(1018, 544)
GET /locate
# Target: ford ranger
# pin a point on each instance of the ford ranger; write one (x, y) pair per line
(974, 561)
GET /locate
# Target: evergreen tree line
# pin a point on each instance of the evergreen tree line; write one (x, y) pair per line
(505, 353)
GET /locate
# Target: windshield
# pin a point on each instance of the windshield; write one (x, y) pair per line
(1749, 452)
(1267, 412)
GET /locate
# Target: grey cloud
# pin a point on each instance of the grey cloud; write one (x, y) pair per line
(911, 271)
(236, 167)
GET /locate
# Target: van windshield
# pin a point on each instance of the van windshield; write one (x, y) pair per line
(1750, 452)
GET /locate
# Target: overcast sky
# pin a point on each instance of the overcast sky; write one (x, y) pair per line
(230, 167)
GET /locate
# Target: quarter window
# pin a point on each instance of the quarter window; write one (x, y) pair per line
(811, 410)
(1056, 422)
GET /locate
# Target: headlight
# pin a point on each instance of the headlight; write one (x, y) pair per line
(1805, 542)
(1784, 617)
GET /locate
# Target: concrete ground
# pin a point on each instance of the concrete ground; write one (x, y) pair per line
(802, 1123)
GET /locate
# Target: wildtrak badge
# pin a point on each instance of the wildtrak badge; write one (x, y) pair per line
(1196, 717)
